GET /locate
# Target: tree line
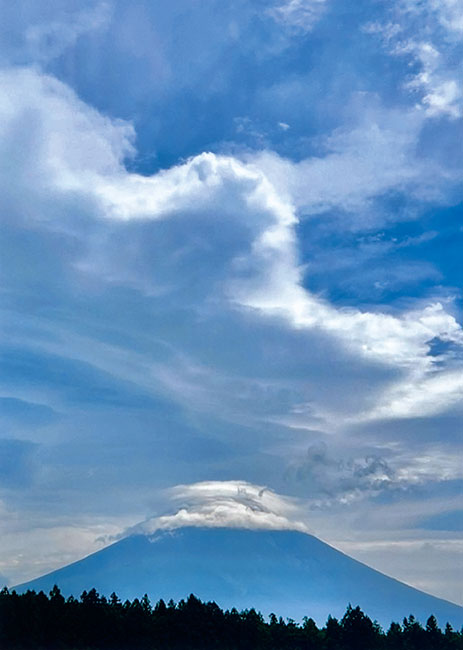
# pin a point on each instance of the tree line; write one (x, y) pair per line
(92, 622)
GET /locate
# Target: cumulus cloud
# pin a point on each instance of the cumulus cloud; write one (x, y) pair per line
(73, 145)
(226, 504)
(206, 204)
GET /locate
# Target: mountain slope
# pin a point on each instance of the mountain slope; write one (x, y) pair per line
(287, 572)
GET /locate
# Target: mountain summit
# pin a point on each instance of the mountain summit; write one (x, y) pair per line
(287, 572)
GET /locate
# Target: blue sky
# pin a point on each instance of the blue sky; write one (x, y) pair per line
(231, 260)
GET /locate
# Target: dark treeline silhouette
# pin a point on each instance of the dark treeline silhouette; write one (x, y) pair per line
(40, 622)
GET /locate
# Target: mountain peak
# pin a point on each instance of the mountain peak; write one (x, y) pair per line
(288, 572)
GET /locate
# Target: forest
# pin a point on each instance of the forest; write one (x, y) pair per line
(47, 622)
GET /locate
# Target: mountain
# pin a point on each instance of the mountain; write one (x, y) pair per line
(286, 572)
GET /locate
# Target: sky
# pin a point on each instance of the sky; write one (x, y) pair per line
(231, 280)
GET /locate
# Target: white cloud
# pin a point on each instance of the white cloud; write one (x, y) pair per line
(372, 157)
(442, 95)
(33, 549)
(432, 465)
(79, 157)
(400, 341)
(226, 504)
(427, 33)
(301, 15)
(46, 41)
(73, 144)
(432, 565)
(448, 13)
(390, 538)
(421, 396)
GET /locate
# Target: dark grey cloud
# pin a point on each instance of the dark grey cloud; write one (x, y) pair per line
(327, 476)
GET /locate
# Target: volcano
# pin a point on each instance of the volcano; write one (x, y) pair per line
(290, 573)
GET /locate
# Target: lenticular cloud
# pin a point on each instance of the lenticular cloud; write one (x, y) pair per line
(225, 504)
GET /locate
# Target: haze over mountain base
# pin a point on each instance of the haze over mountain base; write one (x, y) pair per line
(286, 572)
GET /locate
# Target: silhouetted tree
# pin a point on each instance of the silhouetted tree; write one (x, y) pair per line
(413, 634)
(32, 621)
(358, 631)
(332, 634)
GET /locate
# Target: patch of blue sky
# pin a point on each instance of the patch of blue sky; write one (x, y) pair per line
(240, 88)
(451, 520)
(16, 463)
(14, 411)
(444, 428)
(412, 257)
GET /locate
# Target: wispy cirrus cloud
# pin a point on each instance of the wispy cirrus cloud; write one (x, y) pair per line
(45, 41)
(427, 33)
(299, 15)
